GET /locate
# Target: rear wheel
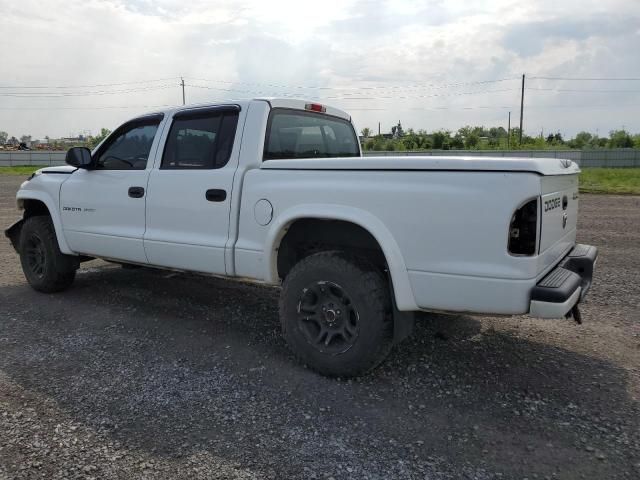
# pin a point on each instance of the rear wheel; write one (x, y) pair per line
(336, 314)
(45, 267)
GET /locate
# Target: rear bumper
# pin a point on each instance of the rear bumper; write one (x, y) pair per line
(566, 285)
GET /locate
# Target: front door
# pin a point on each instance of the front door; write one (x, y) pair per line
(189, 196)
(103, 210)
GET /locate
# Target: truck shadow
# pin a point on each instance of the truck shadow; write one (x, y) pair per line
(174, 364)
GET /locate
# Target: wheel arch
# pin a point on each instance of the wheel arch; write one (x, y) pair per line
(39, 203)
(401, 285)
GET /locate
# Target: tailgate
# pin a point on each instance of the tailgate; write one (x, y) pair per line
(559, 213)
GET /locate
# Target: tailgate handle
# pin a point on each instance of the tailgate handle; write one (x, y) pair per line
(216, 195)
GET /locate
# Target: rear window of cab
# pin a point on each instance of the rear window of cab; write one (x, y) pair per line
(301, 134)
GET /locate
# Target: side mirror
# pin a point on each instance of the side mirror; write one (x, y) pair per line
(79, 157)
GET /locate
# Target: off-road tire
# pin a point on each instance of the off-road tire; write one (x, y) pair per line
(46, 268)
(368, 291)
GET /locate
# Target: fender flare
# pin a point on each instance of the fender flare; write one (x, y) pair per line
(403, 292)
(23, 195)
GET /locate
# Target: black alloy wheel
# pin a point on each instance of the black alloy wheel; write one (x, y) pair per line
(327, 317)
(35, 254)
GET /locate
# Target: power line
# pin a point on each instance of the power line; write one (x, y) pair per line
(374, 87)
(83, 94)
(439, 86)
(432, 95)
(411, 97)
(626, 105)
(91, 86)
(575, 90)
(352, 108)
(436, 108)
(105, 107)
(592, 79)
(478, 107)
(502, 107)
(356, 93)
(352, 97)
(270, 85)
(349, 94)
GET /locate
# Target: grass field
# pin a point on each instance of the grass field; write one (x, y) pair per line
(19, 170)
(592, 180)
(610, 180)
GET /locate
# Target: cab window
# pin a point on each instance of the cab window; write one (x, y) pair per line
(200, 140)
(129, 147)
(301, 134)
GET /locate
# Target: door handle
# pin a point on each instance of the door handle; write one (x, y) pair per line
(136, 192)
(216, 195)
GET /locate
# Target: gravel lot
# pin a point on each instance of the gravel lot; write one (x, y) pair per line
(149, 374)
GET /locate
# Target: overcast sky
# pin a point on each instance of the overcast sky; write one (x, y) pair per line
(421, 62)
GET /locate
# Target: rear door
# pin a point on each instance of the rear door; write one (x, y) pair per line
(103, 210)
(188, 204)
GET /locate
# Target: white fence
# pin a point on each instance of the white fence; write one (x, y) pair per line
(34, 157)
(622, 157)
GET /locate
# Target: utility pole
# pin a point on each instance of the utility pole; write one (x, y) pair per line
(378, 128)
(182, 83)
(521, 108)
(509, 132)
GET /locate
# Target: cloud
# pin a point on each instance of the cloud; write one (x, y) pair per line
(528, 39)
(418, 61)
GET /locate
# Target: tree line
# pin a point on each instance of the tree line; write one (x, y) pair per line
(55, 144)
(465, 138)
(494, 138)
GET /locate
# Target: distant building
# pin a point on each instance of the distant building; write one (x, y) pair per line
(71, 140)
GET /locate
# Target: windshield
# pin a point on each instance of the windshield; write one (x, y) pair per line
(300, 134)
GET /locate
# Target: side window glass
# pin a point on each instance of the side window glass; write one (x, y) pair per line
(128, 150)
(200, 141)
(301, 134)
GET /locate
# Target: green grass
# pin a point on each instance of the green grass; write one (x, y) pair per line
(610, 180)
(592, 180)
(19, 170)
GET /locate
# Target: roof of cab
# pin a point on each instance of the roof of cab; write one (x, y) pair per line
(300, 104)
(274, 102)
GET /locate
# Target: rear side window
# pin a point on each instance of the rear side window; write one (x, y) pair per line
(299, 134)
(200, 140)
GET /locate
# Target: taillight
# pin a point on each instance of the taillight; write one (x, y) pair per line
(315, 107)
(523, 229)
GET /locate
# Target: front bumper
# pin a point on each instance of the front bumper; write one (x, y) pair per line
(566, 285)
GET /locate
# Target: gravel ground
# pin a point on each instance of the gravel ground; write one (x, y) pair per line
(149, 374)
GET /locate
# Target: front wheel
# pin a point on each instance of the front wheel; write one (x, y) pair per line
(45, 267)
(336, 314)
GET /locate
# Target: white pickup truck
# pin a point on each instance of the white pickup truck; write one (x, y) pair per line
(277, 191)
